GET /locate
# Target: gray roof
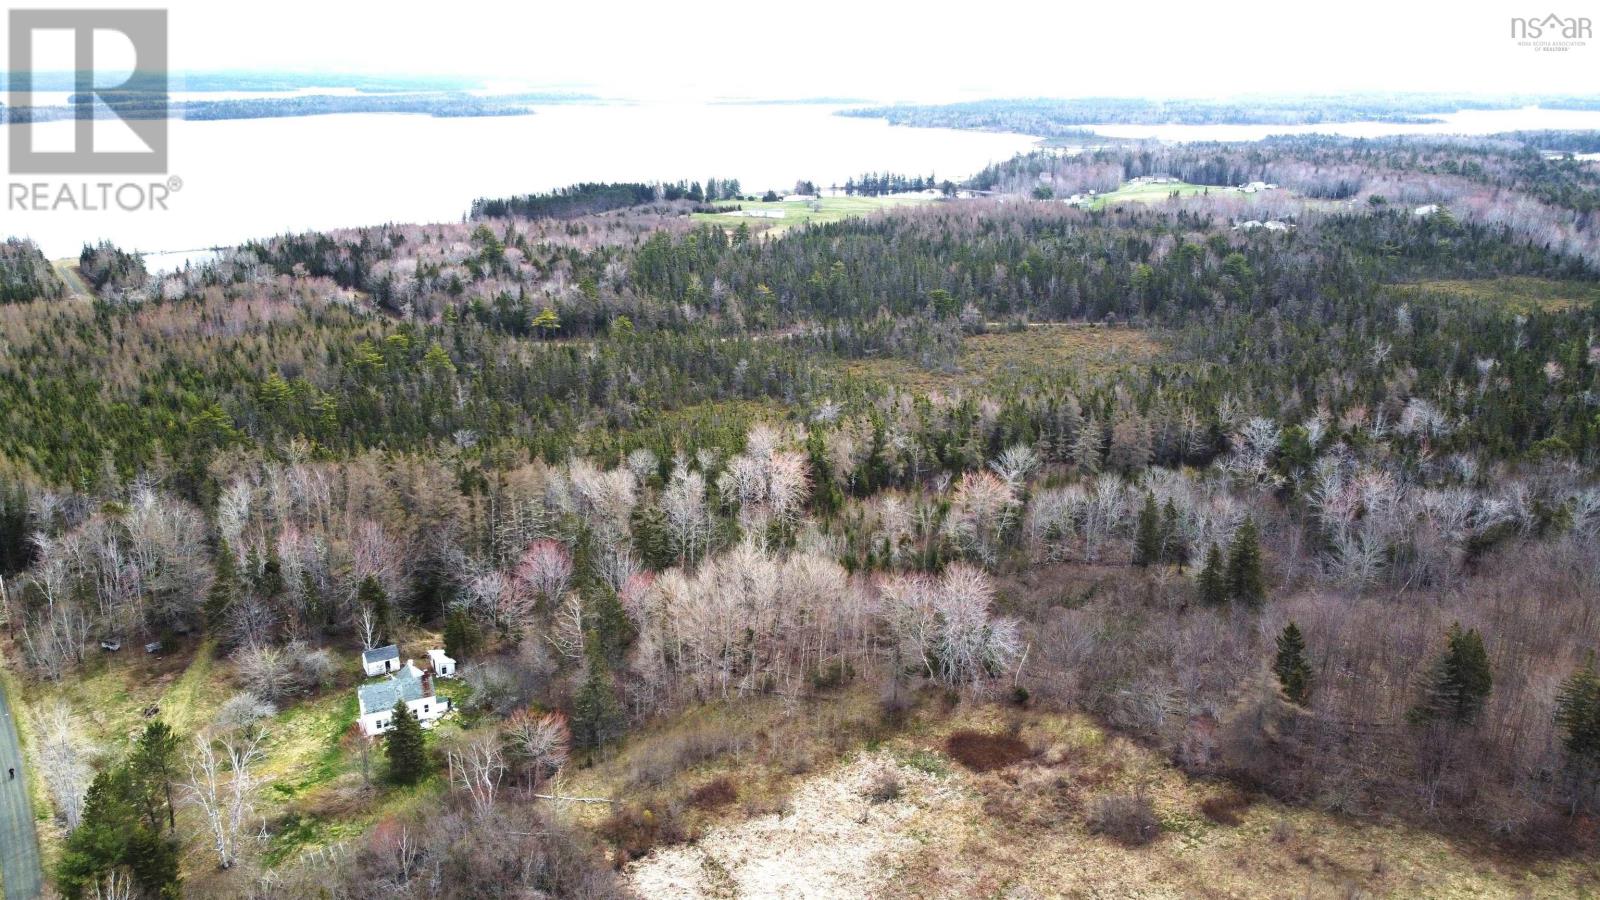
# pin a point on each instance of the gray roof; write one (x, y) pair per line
(385, 694)
(379, 654)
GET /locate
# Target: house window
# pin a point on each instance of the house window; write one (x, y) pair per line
(424, 707)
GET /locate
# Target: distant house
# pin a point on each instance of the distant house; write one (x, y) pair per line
(1270, 225)
(1426, 210)
(379, 660)
(411, 684)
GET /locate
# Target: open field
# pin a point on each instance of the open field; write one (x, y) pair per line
(1145, 192)
(797, 212)
(1520, 293)
(987, 359)
(1025, 830)
(67, 271)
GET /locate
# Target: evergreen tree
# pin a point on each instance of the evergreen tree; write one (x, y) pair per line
(650, 537)
(112, 836)
(1291, 667)
(371, 595)
(1244, 580)
(403, 744)
(460, 635)
(1147, 539)
(1211, 582)
(611, 624)
(1173, 548)
(151, 765)
(597, 717)
(1578, 714)
(153, 858)
(16, 528)
(1460, 681)
(224, 590)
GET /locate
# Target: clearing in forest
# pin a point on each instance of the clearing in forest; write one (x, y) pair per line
(777, 216)
(991, 358)
(1518, 293)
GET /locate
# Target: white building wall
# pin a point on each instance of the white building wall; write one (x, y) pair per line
(427, 710)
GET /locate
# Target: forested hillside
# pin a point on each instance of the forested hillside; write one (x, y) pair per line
(1065, 117)
(1310, 508)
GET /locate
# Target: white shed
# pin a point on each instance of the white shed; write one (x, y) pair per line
(443, 666)
(380, 660)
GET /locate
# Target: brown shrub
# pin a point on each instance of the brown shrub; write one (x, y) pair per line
(768, 805)
(637, 828)
(884, 785)
(983, 752)
(1128, 818)
(718, 792)
(1030, 797)
(1224, 809)
(661, 760)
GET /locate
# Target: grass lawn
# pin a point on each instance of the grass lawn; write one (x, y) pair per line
(796, 212)
(993, 357)
(1154, 193)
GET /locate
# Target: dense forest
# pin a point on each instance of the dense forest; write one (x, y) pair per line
(591, 199)
(1332, 533)
(158, 105)
(1065, 118)
(25, 274)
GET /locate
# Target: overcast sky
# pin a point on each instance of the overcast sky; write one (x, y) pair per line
(928, 51)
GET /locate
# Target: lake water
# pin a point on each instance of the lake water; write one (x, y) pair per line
(257, 177)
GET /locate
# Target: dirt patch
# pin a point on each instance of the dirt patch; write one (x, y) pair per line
(833, 839)
(717, 792)
(982, 752)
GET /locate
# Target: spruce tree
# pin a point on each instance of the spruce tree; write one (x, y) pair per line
(112, 836)
(1173, 548)
(151, 765)
(597, 717)
(1578, 714)
(460, 635)
(1291, 667)
(1460, 682)
(1244, 580)
(403, 744)
(371, 595)
(224, 590)
(1147, 539)
(650, 537)
(1211, 582)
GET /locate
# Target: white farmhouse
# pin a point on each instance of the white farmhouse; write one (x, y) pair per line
(443, 666)
(411, 684)
(380, 660)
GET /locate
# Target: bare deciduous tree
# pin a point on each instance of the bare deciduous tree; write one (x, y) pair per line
(223, 787)
(477, 765)
(63, 760)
